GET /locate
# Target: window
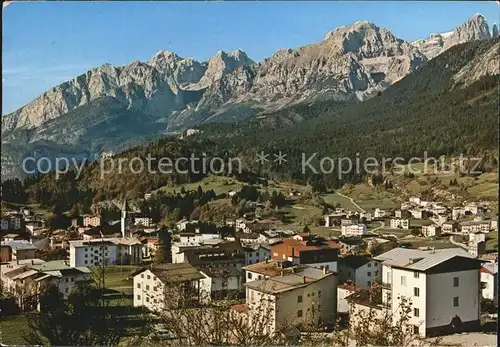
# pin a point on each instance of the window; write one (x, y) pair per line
(85, 255)
(149, 277)
(403, 281)
(138, 297)
(455, 282)
(142, 275)
(67, 290)
(299, 298)
(319, 293)
(416, 312)
(416, 291)
(147, 286)
(455, 301)
(86, 262)
(416, 275)
(349, 274)
(147, 298)
(67, 279)
(138, 285)
(415, 329)
(369, 274)
(71, 279)
(260, 277)
(249, 275)
(369, 265)
(299, 313)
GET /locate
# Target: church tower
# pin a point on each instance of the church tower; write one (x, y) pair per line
(125, 217)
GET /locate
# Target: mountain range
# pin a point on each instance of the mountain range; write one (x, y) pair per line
(110, 108)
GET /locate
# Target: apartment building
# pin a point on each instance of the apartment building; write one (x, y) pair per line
(123, 250)
(449, 227)
(353, 230)
(167, 286)
(307, 249)
(399, 223)
(303, 295)
(443, 286)
(91, 221)
(144, 221)
(255, 253)
(475, 227)
(431, 230)
(359, 270)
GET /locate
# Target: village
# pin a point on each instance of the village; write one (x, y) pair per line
(312, 280)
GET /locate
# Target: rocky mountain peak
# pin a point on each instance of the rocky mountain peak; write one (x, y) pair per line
(475, 28)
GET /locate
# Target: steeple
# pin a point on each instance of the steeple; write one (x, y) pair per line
(125, 217)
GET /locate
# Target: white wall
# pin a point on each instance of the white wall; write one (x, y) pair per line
(441, 291)
(86, 255)
(145, 293)
(490, 290)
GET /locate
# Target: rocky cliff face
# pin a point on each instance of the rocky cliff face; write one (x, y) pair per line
(169, 93)
(476, 28)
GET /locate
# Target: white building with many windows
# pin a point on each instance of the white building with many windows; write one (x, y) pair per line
(94, 252)
(353, 230)
(443, 286)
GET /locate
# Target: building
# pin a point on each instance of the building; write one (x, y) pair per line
(443, 286)
(333, 219)
(112, 251)
(350, 244)
(431, 230)
(299, 295)
(214, 258)
(197, 237)
(476, 248)
(144, 221)
(379, 213)
(91, 221)
(24, 279)
(220, 283)
(475, 227)
(449, 227)
(343, 291)
(354, 230)
(256, 253)
(307, 249)
(266, 269)
(15, 221)
(4, 224)
(489, 281)
(16, 250)
(359, 270)
(178, 249)
(167, 286)
(398, 223)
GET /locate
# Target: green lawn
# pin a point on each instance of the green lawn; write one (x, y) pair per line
(116, 278)
(12, 329)
(334, 199)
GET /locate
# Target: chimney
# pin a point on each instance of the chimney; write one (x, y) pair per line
(324, 270)
(304, 279)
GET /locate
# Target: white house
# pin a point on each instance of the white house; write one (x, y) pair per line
(489, 281)
(343, 291)
(443, 286)
(353, 230)
(379, 213)
(197, 237)
(217, 283)
(144, 221)
(177, 282)
(398, 223)
(358, 270)
(431, 230)
(301, 294)
(475, 227)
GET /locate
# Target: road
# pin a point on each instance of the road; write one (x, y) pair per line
(352, 201)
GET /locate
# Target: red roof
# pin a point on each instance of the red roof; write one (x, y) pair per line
(240, 308)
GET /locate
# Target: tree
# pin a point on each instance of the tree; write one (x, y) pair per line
(82, 320)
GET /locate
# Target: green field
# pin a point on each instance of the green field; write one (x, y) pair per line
(12, 329)
(334, 199)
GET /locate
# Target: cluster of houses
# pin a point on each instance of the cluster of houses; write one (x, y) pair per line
(299, 278)
(432, 219)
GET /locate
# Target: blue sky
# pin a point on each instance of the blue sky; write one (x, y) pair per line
(46, 43)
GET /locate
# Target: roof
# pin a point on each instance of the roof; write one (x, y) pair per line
(288, 281)
(271, 268)
(354, 261)
(240, 308)
(19, 244)
(420, 260)
(174, 273)
(491, 268)
(292, 246)
(129, 241)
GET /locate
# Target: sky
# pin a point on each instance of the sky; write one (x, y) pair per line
(47, 43)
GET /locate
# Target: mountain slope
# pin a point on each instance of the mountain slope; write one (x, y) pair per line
(169, 93)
